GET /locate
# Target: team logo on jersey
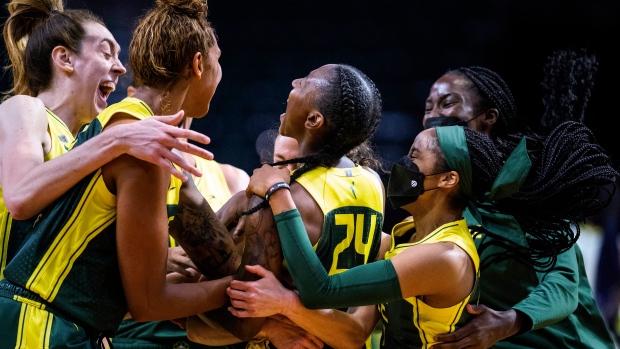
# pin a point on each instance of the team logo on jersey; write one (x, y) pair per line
(63, 138)
(180, 345)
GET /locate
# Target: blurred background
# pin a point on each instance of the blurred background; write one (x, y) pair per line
(404, 46)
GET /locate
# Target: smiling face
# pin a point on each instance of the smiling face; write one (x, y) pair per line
(453, 95)
(302, 100)
(96, 68)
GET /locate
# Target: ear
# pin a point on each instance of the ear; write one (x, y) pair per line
(196, 66)
(315, 120)
(62, 59)
(449, 180)
(490, 117)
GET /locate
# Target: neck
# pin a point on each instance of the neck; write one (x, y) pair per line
(71, 111)
(160, 101)
(430, 216)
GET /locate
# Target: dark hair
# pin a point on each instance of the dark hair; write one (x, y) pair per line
(364, 155)
(567, 86)
(494, 93)
(166, 39)
(571, 178)
(31, 32)
(351, 104)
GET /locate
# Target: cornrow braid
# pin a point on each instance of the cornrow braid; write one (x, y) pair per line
(496, 94)
(351, 105)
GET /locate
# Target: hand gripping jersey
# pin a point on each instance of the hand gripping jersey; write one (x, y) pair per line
(61, 141)
(411, 323)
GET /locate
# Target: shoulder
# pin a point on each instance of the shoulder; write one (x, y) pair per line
(236, 178)
(22, 105)
(23, 113)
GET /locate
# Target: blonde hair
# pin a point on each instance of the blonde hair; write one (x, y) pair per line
(166, 39)
(31, 32)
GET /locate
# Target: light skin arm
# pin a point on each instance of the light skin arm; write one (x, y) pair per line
(34, 184)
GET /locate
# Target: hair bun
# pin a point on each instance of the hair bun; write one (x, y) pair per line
(191, 8)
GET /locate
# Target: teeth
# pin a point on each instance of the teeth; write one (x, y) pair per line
(109, 86)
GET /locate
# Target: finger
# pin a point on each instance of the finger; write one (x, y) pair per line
(195, 150)
(475, 309)
(189, 134)
(173, 119)
(241, 286)
(258, 270)
(455, 336)
(236, 294)
(238, 312)
(179, 269)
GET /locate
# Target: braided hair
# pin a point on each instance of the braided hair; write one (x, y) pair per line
(494, 93)
(351, 104)
(571, 178)
(574, 72)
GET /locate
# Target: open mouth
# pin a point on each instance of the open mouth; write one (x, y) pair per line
(106, 88)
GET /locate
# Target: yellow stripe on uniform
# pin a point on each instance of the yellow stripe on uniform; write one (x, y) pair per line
(34, 328)
(4, 241)
(67, 246)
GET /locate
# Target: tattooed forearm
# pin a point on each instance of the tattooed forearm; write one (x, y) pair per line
(203, 236)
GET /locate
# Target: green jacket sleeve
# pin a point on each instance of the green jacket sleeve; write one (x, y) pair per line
(558, 287)
(372, 283)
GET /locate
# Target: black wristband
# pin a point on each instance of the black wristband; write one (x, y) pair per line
(275, 187)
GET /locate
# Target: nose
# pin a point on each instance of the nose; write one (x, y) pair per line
(295, 82)
(118, 67)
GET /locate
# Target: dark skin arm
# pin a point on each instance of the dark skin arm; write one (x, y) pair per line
(219, 244)
(488, 327)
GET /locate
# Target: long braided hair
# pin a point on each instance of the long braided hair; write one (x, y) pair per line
(572, 177)
(351, 105)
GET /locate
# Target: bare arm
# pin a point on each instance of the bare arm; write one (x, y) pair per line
(29, 184)
(236, 178)
(334, 327)
(142, 242)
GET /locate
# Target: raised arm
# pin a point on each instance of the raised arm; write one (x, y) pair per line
(29, 183)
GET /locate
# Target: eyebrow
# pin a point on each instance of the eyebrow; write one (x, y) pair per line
(112, 45)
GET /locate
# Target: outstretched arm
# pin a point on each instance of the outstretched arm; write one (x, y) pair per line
(29, 183)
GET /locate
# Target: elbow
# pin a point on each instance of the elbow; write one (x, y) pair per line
(20, 209)
(311, 302)
(140, 313)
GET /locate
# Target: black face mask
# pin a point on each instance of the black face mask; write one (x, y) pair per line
(406, 183)
(443, 120)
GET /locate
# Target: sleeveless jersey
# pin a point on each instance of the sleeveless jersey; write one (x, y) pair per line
(411, 323)
(212, 185)
(61, 141)
(352, 203)
(69, 257)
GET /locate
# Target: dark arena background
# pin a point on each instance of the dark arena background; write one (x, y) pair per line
(403, 45)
